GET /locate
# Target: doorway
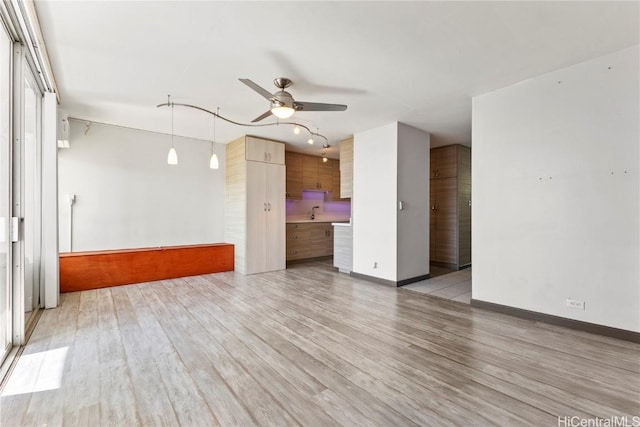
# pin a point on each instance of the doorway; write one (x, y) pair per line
(449, 225)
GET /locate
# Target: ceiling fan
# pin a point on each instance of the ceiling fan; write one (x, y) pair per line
(282, 103)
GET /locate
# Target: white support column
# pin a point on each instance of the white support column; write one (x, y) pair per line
(50, 254)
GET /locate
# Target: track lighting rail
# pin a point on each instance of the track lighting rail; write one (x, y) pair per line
(169, 103)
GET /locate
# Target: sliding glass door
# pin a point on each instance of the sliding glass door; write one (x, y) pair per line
(5, 193)
(31, 189)
(21, 106)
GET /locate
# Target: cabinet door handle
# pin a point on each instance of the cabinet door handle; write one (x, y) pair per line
(269, 207)
(269, 156)
(433, 207)
(265, 207)
(265, 156)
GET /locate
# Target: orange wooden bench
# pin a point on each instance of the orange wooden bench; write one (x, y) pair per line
(100, 269)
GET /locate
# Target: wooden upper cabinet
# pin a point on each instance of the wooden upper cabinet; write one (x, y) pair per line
(306, 172)
(293, 162)
(264, 150)
(444, 162)
(325, 175)
(310, 171)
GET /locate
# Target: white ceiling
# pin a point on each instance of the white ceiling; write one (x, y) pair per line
(415, 62)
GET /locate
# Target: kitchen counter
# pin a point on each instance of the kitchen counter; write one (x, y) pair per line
(321, 219)
(342, 224)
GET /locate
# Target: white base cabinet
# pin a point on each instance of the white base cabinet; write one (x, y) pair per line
(343, 247)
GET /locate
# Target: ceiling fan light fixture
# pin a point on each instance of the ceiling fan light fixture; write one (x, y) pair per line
(282, 111)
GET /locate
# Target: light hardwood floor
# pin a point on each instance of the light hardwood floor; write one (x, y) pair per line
(306, 346)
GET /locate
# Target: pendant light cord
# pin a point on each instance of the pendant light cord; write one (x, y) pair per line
(215, 119)
(172, 146)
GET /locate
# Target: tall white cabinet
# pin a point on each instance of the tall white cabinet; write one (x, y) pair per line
(255, 204)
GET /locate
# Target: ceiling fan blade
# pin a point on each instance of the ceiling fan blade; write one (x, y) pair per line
(262, 91)
(317, 106)
(262, 116)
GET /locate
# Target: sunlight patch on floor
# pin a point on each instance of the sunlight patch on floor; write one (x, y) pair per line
(37, 372)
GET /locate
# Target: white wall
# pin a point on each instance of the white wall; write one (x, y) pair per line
(413, 189)
(127, 196)
(49, 261)
(374, 202)
(391, 164)
(556, 192)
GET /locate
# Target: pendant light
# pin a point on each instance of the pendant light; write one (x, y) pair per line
(172, 157)
(213, 163)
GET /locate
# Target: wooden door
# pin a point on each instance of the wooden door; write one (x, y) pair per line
(464, 206)
(445, 227)
(256, 217)
(275, 250)
(444, 162)
(293, 162)
(432, 220)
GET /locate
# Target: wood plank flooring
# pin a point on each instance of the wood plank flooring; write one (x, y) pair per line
(306, 346)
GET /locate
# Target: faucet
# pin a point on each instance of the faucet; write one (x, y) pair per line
(313, 213)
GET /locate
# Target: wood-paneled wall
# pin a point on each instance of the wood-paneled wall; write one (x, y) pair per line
(346, 168)
(236, 200)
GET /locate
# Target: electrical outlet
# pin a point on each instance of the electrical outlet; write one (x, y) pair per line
(574, 303)
(375, 265)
